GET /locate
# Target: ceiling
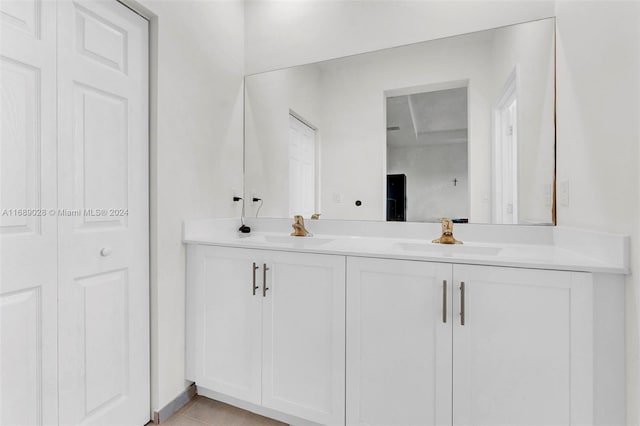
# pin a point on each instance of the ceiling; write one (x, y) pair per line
(428, 118)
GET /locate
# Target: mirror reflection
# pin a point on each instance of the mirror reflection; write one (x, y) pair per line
(427, 156)
(461, 127)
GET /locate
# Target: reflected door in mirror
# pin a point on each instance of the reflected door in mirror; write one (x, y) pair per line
(302, 176)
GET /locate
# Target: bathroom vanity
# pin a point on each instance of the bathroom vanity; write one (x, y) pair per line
(371, 324)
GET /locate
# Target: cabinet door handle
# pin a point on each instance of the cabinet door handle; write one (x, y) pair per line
(255, 286)
(462, 303)
(264, 280)
(444, 301)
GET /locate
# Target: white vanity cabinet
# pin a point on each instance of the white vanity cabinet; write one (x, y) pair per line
(268, 328)
(399, 342)
(441, 344)
(523, 354)
(224, 321)
(329, 335)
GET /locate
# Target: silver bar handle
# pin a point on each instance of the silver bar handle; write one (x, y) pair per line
(444, 301)
(462, 303)
(255, 286)
(264, 280)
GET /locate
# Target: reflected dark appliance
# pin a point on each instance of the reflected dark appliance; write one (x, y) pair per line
(397, 198)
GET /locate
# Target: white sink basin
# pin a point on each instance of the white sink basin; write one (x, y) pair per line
(451, 249)
(295, 241)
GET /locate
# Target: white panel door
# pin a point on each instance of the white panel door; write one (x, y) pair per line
(224, 321)
(398, 343)
(303, 336)
(103, 230)
(524, 353)
(28, 234)
(302, 175)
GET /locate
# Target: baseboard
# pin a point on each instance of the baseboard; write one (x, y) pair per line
(178, 402)
(266, 412)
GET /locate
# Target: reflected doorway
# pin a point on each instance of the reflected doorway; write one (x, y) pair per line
(302, 167)
(427, 142)
(505, 151)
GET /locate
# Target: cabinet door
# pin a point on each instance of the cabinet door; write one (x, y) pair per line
(523, 355)
(224, 317)
(398, 342)
(303, 336)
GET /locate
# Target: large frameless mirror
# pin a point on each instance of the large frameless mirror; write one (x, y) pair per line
(461, 127)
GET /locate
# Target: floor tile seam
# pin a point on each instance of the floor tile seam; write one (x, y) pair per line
(195, 419)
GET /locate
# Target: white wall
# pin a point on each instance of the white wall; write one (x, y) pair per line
(286, 33)
(196, 155)
(598, 139)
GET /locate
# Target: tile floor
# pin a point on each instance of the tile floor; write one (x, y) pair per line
(201, 411)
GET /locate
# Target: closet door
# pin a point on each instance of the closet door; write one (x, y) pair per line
(103, 240)
(28, 363)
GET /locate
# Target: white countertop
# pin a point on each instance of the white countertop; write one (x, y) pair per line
(528, 255)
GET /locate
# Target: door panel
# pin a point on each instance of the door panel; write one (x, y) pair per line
(26, 16)
(105, 326)
(28, 236)
(398, 343)
(22, 149)
(302, 175)
(101, 40)
(21, 352)
(303, 336)
(226, 322)
(101, 156)
(514, 355)
(103, 228)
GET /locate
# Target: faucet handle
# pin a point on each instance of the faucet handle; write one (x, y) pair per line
(447, 233)
(298, 227)
(447, 225)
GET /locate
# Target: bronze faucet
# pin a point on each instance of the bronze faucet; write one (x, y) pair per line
(447, 233)
(298, 227)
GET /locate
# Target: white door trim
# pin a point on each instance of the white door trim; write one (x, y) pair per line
(509, 95)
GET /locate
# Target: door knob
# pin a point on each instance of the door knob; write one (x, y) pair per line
(106, 251)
